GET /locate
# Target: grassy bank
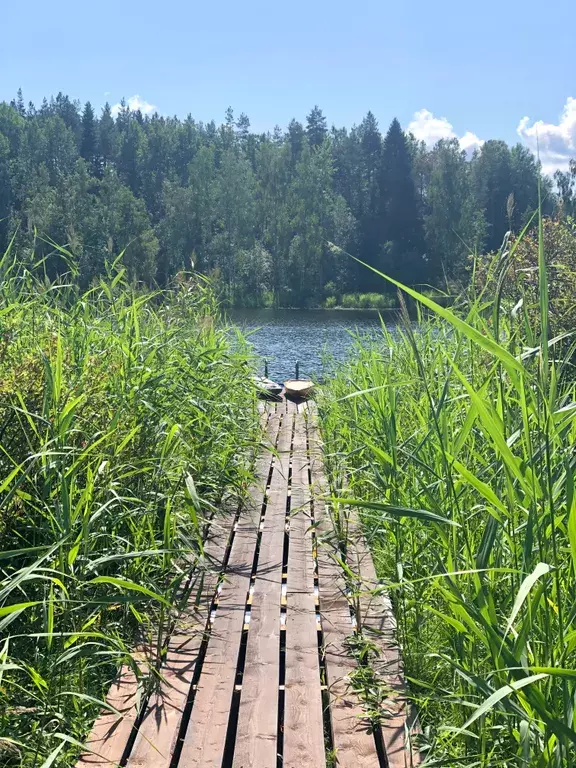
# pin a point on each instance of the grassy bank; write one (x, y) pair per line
(380, 300)
(368, 301)
(125, 420)
(456, 442)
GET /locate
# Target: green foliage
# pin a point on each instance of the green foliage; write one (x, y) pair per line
(252, 275)
(127, 419)
(403, 248)
(369, 301)
(172, 192)
(316, 129)
(453, 229)
(566, 182)
(518, 282)
(470, 417)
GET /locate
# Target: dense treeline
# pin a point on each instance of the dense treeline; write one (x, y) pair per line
(258, 211)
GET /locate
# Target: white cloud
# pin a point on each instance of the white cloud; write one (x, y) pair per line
(430, 129)
(555, 143)
(470, 142)
(136, 102)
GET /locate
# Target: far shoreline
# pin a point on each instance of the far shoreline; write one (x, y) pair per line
(320, 309)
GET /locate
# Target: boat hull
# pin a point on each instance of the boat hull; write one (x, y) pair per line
(267, 389)
(298, 388)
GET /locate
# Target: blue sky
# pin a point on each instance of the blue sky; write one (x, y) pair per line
(477, 68)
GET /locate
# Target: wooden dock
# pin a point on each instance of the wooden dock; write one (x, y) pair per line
(256, 676)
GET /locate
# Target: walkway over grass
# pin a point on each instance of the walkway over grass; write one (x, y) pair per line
(257, 674)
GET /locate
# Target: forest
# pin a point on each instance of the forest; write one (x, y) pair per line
(257, 212)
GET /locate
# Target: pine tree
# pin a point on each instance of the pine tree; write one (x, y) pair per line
(5, 190)
(235, 206)
(371, 214)
(312, 218)
(295, 138)
(132, 149)
(316, 129)
(108, 137)
(18, 103)
(243, 126)
(69, 111)
(371, 141)
(89, 143)
(404, 249)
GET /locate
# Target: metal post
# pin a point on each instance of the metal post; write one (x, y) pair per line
(266, 368)
(297, 370)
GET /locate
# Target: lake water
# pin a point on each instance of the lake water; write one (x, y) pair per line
(284, 336)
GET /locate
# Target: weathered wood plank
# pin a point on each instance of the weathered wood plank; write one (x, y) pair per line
(205, 737)
(353, 741)
(301, 561)
(377, 618)
(379, 624)
(303, 724)
(158, 731)
(258, 715)
(110, 733)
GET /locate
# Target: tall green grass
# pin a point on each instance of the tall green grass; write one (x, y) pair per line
(470, 414)
(126, 420)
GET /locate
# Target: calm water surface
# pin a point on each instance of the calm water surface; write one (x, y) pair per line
(283, 336)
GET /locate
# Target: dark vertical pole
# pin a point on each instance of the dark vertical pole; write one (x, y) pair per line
(297, 369)
(266, 368)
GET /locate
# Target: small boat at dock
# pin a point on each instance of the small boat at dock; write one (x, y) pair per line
(298, 388)
(267, 388)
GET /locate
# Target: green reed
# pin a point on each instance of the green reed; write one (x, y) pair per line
(454, 435)
(126, 420)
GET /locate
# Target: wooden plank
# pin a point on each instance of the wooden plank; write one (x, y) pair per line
(354, 743)
(258, 715)
(301, 561)
(206, 733)
(303, 723)
(159, 729)
(379, 623)
(110, 733)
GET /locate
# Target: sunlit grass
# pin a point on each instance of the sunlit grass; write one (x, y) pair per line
(126, 420)
(471, 416)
